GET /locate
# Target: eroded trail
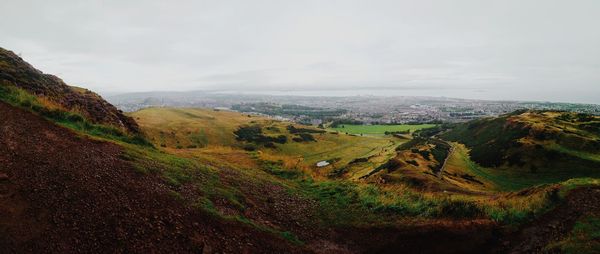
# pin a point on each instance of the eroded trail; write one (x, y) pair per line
(62, 193)
(555, 224)
(445, 163)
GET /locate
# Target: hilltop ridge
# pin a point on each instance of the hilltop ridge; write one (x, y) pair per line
(14, 71)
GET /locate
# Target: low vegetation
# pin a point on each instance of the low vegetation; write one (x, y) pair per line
(243, 169)
(254, 134)
(341, 201)
(378, 129)
(583, 238)
(67, 118)
(528, 148)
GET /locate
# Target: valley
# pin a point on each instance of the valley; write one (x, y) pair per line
(77, 175)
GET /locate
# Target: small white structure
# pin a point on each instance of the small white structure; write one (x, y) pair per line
(321, 164)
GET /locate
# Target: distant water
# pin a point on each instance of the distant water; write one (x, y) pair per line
(355, 92)
(481, 94)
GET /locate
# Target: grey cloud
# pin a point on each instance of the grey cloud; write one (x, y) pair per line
(527, 49)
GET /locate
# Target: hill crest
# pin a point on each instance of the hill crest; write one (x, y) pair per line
(14, 71)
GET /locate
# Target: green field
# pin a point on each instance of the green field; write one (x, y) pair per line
(379, 129)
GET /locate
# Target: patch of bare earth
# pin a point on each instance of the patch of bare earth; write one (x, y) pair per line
(61, 193)
(555, 224)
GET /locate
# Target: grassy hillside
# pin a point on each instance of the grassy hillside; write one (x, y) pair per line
(206, 180)
(300, 203)
(223, 179)
(68, 118)
(583, 238)
(187, 128)
(361, 167)
(16, 73)
(527, 148)
(185, 131)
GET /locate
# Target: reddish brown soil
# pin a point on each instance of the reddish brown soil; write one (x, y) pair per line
(61, 193)
(458, 236)
(15, 71)
(554, 225)
(272, 205)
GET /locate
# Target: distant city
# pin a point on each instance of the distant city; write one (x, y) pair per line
(360, 109)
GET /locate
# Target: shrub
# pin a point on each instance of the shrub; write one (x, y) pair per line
(440, 153)
(411, 144)
(281, 139)
(307, 137)
(254, 134)
(248, 133)
(276, 169)
(295, 130)
(425, 154)
(413, 162)
(457, 209)
(250, 147)
(359, 160)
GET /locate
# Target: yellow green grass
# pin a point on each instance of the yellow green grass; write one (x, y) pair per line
(379, 129)
(342, 201)
(195, 149)
(460, 171)
(572, 152)
(176, 127)
(199, 132)
(584, 237)
(503, 178)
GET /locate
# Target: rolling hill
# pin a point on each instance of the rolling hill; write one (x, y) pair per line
(79, 176)
(533, 147)
(207, 132)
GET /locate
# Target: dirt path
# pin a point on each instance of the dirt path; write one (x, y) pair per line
(555, 224)
(61, 193)
(440, 173)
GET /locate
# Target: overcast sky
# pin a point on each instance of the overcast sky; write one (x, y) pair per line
(505, 49)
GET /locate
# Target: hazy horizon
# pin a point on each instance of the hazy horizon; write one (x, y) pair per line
(472, 95)
(509, 50)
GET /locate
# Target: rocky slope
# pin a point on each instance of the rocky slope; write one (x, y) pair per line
(63, 193)
(15, 71)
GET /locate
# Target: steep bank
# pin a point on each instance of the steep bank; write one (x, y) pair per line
(63, 193)
(15, 71)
